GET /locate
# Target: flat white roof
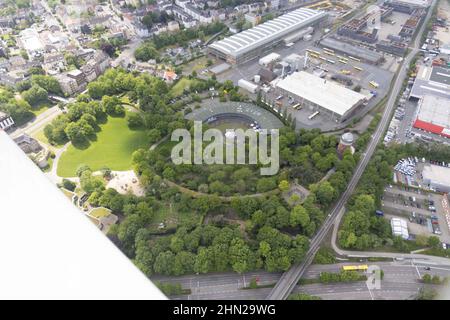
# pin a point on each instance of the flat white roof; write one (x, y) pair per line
(322, 92)
(49, 249)
(435, 110)
(268, 31)
(436, 174)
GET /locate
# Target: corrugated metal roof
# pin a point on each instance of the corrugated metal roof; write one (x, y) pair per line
(263, 33)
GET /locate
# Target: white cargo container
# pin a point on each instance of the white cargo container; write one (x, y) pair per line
(247, 85)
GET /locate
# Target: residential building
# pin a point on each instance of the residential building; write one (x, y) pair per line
(68, 85)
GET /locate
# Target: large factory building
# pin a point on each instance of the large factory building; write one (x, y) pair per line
(323, 95)
(255, 42)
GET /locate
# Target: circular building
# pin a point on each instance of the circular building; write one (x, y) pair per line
(346, 142)
(240, 114)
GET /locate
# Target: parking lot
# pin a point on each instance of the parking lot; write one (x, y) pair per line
(423, 210)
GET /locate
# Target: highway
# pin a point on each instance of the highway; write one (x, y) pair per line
(289, 279)
(401, 281)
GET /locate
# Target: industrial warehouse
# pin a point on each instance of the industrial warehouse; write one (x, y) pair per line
(323, 95)
(434, 115)
(431, 88)
(261, 39)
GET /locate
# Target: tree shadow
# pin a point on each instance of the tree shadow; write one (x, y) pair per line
(96, 128)
(81, 145)
(93, 138)
(102, 119)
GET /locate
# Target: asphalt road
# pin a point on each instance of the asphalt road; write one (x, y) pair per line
(289, 279)
(401, 281)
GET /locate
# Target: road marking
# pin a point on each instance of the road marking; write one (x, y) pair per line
(417, 269)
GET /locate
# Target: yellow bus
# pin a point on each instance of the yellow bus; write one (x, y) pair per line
(329, 53)
(312, 52)
(374, 84)
(358, 68)
(341, 57)
(328, 50)
(298, 106)
(343, 61)
(361, 267)
(353, 58)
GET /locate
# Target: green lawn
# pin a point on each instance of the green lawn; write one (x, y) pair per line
(39, 135)
(195, 65)
(113, 149)
(168, 214)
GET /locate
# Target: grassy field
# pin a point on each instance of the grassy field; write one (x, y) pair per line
(40, 108)
(195, 65)
(39, 135)
(100, 213)
(171, 217)
(177, 89)
(113, 149)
